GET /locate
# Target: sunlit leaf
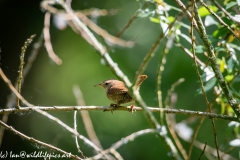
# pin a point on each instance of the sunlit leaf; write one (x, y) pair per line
(222, 64)
(235, 143)
(209, 20)
(228, 78)
(236, 18)
(164, 27)
(155, 20)
(208, 74)
(204, 12)
(233, 124)
(171, 19)
(238, 2)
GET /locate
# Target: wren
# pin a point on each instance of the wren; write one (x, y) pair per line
(118, 93)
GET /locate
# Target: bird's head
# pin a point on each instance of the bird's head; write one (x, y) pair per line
(106, 84)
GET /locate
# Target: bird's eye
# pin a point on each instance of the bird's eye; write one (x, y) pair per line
(106, 83)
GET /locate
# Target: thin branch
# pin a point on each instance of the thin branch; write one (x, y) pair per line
(124, 141)
(194, 136)
(171, 121)
(87, 122)
(213, 151)
(108, 37)
(33, 140)
(190, 54)
(224, 11)
(159, 81)
(203, 151)
(86, 117)
(48, 43)
(187, 13)
(75, 128)
(80, 14)
(121, 108)
(132, 19)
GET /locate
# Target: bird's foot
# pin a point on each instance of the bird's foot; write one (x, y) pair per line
(132, 109)
(112, 108)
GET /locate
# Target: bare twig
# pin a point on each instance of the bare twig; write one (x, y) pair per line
(190, 54)
(108, 37)
(48, 43)
(187, 13)
(194, 136)
(76, 138)
(123, 141)
(33, 140)
(171, 121)
(86, 117)
(213, 151)
(203, 151)
(120, 108)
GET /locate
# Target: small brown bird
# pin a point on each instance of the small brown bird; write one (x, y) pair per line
(118, 93)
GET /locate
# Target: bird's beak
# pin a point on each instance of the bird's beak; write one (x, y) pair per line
(100, 84)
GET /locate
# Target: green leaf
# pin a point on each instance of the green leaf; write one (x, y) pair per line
(204, 12)
(221, 32)
(228, 78)
(155, 20)
(218, 49)
(199, 49)
(231, 4)
(171, 19)
(208, 86)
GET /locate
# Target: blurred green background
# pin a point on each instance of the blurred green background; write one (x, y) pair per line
(49, 84)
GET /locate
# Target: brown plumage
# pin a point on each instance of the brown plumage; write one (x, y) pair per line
(116, 91)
